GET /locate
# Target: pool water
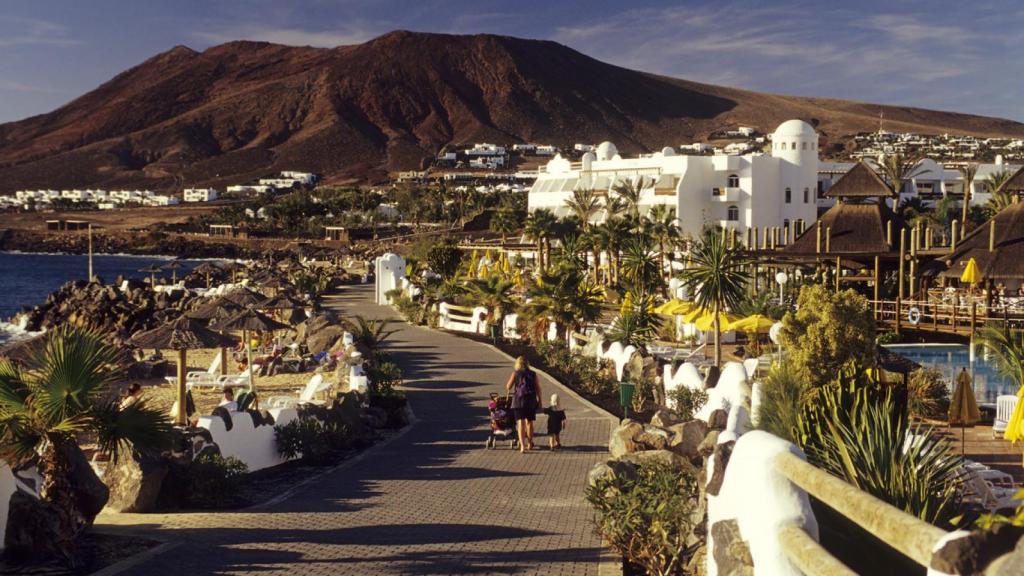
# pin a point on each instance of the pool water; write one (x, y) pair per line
(949, 358)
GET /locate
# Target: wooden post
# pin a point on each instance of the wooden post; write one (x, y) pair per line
(828, 239)
(877, 282)
(817, 242)
(903, 249)
(974, 319)
(912, 278)
(928, 239)
(888, 233)
(90, 252)
(774, 237)
(992, 235)
(953, 238)
(935, 317)
(899, 299)
(180, 417)
(839, 272)
(955, 306)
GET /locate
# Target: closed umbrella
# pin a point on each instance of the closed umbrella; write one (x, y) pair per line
(249, 320)
(1015, 426)
(963, 408)
(970, 275)
(182, 335)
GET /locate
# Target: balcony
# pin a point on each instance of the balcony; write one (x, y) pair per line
(725, 194)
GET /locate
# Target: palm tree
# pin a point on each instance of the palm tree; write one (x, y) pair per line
(585, 205)
(614, 206)
(664, 227)
(614, 233)
(629, 190)
(640, 265)
(968, 172)
(717, 277)
(46, 406)
(1008, 348)
(539, 227)
(897, 168)
(504, 222)
(998, 198)
(493, 292)
(564, 296)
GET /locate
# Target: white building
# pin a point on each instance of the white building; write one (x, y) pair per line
(250, 189)
(739, 192)
(485, 149)
(304, 178)
(199, 194)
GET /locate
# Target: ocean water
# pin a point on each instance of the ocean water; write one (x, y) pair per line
(27, 279)
(949, 358)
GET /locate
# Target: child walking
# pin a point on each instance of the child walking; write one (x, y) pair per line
(556, 422)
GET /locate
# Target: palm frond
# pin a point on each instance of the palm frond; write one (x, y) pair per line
(138, 427)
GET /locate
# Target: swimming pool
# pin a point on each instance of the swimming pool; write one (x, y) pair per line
(950, 357)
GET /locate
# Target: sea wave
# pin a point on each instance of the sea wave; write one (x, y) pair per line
(15, 330)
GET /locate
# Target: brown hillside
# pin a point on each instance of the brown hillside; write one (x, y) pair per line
(245, 109)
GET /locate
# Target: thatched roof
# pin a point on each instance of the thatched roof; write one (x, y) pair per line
(215, 308)
(854, 229)
(860, 182)
(245, 297)
(252, 321)
(1015, 184)
(1005, 262)
(183, 334)
(892, 362)
(282, 302)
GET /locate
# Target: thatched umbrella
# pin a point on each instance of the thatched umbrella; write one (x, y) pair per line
(152, 270)
(281, 302)
(245, 297)
(207, 269)
(963, 407)
(173, 266)
(219, 308)
(249, 320)
(182, 335)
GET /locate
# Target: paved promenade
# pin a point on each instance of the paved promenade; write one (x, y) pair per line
(431, 501)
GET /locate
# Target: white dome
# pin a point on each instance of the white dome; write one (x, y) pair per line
(589, 157)
(668, 151)
(795, 128)
(606, 151)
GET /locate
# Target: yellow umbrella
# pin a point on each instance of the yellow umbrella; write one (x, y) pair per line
(665, 307)
(963, 407)
(505, 267)
(627, 303)
(970, 275)
(674, 307)
(706, 322)
(755, 323)
(1015, 427)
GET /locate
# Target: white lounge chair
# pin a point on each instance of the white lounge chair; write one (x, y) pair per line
(357, 379)
(986, 494)
(1005, 403)
(207, 378)
(240, 379)
(315, 386)
(750, 365)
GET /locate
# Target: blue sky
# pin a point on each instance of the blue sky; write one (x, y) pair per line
(951, 55)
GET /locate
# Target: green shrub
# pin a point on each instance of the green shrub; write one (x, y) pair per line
(311, 439)
(927, 394)
(782, 396)
(592, 377)
(393, 405)
(688, 401)
(385, 377)
(212, 479)
(888, 337)
(410, 311)
(648, 519)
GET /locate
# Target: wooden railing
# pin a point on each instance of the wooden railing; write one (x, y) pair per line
(935, 315)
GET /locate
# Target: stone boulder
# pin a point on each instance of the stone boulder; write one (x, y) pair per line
(687, 438)
(732, 555)
(973, 553)
(135, 483)
(718, 420)
(711, 378)
(653, 438)
(720, 457)
(31, 525)
(665, 418)
(663, 456)
(622, 440)
(610, 469)
(91, 494)
(707, 446)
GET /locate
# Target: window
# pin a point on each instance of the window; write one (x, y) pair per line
(785, 223)
(733, 214)
(821, 189)
(803, 145)
(807, 195)
(799, 227)
(793, 146)
(734, 181)
(789, 195)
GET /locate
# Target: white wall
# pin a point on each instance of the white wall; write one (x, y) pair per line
(253, 445)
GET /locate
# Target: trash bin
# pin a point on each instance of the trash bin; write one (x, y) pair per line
(626, 390)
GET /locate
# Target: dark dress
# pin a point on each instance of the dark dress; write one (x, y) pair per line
(524, 406)
(555, 420)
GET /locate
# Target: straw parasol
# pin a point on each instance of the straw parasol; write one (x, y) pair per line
(182, 335)
(173, 266)
(219, 308)
(281, 302)
(963, 408)
(152, 270)
(245, 297)
(207, 269)
(249, 320)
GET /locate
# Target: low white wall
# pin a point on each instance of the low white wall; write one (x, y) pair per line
(457, 321)
(253, 445)
(8, 486)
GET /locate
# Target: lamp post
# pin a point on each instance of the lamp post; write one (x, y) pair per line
(781, 278)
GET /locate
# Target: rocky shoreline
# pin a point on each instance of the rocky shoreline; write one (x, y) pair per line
(138, 244)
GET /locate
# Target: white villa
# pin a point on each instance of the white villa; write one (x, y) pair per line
(740, 192)
(200, 194)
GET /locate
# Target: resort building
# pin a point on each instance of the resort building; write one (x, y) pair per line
(200, 194)
(738, 192)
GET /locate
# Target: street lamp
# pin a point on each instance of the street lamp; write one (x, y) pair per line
(781, 278)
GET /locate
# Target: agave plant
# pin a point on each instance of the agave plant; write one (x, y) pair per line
(368, 332)
(58, 397)
(638, 324)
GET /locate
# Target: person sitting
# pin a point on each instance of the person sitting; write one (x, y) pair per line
(228, 402)
(132, 395)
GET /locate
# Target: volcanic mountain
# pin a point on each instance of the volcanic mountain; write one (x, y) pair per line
(245, 109)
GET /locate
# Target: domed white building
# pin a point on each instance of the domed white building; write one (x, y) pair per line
(740, 192)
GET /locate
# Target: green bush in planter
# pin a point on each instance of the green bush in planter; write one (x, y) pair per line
(311, 439)
(212, 479)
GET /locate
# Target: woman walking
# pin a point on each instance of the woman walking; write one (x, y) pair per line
(524, 386)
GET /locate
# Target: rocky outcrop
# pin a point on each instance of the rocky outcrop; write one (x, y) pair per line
(732, 555)
(31, 525)
(135, 482)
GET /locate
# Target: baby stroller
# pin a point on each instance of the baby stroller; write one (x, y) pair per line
(503, 425)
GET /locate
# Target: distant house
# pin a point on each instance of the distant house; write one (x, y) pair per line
(200, 194)
(226, 231)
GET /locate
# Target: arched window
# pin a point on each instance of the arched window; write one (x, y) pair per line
(733, 181)
(789, 195)
(807, 195)
(733, 214)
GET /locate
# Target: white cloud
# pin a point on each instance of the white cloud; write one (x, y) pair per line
(15, 86)
(19, 31)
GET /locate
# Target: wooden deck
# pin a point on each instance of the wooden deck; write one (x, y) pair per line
(945, 317)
